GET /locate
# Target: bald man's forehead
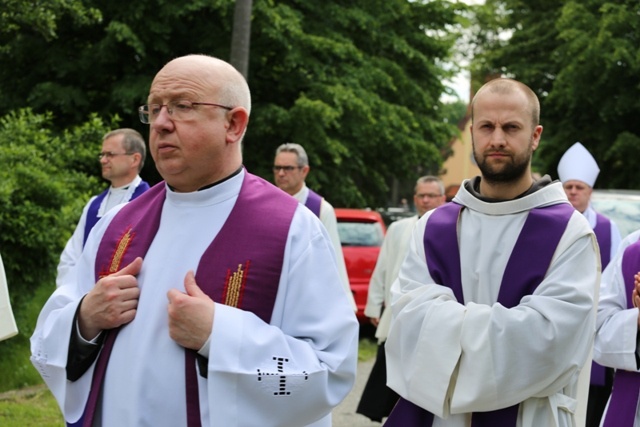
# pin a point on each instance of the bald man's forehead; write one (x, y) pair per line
(183, 78)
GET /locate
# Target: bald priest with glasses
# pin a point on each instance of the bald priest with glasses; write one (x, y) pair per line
(121, 160)
(213, 299)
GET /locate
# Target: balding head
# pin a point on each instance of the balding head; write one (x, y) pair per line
(504, 86)
(200, 110)
(209, 72)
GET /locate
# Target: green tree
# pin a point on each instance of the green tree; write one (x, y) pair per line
(596, 96)
(357, 83)
(582, 60)
(41, 196)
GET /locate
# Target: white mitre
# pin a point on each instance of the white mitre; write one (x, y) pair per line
(578, 164)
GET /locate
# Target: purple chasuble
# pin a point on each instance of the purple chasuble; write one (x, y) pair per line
(525, 270)
(314, 201)
(626, 384)
(92, 212)
(603, 236)
(233, 270)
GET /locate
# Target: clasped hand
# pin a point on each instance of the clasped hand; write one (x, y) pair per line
(113, 302)
(635, 294)
(190, 314)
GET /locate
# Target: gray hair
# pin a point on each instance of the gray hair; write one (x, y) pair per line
(132, 142)
(290, 147)
(429, 178)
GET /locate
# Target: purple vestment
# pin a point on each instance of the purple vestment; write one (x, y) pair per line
(626, 384)
(92, 212)
(241, 267)
(314, 201)
(602, 231)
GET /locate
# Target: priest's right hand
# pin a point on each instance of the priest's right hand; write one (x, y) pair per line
(112, 302)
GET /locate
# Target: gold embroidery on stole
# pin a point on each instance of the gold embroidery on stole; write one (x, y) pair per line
(234, 285)
(118, 254)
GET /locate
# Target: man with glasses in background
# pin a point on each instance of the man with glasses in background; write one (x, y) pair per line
(290, 169)
(121, 159)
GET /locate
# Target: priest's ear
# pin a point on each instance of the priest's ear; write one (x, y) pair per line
(305, 171)
(137, 160)
(237, 121)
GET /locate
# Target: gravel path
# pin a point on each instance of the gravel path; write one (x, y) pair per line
(345, 414)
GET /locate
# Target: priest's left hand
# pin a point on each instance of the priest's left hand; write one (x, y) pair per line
(190, 314)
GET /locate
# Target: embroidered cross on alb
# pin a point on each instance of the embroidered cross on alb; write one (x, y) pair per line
(280, 382)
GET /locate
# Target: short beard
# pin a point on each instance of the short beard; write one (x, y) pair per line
(508, 172)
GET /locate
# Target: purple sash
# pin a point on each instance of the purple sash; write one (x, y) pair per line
(92, 212)
(233, 270)
(603, 235)
(626, 384)
(314, 201)
(526, 268)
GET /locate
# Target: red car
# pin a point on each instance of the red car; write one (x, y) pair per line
(361, 233)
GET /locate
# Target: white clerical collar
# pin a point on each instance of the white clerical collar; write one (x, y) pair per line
(302, 195)
(118, 195)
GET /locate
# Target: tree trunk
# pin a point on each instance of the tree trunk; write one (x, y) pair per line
(241, 36)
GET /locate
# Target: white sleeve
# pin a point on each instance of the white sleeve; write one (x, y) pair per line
(52, 334)
(8, 326)
(379, 278)
(467, 353)
(328, 219)
(615, 240)
(72, 250)
(296, 369)
(616, 325)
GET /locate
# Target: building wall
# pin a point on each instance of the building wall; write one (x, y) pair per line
(460, 165)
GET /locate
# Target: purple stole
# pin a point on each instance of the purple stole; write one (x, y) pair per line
(314, 201)
(603, 235)
(92, 212)
(233, 270)
(526, 268)
(626, 384)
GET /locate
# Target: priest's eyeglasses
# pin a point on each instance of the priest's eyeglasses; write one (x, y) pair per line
(285, 169)
(428, 195)
(178, 110)
(109, 155)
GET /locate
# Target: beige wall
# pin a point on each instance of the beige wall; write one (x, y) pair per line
(460, 165)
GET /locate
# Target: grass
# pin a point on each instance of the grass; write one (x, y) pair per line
(367, 349)
(35, 406)
(16, 371)
(32, 406)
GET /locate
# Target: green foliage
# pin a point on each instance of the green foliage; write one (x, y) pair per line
(581, 57)
(367, 349)
(596, 98)
(36, 185)
(41, 19)
(357, 83)
(44, 183)
(15, 368)
(35, 406)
